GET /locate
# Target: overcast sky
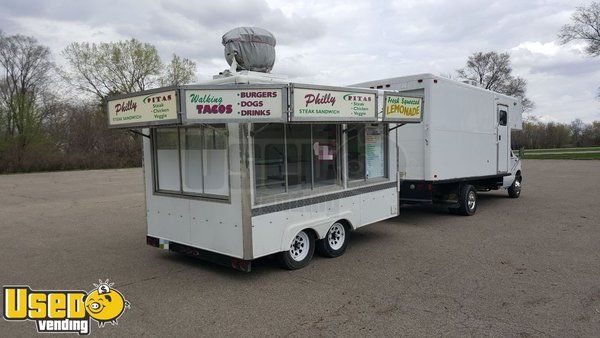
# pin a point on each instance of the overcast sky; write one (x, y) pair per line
(341, 42)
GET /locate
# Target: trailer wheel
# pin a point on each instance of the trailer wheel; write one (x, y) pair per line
(335, 242)
(467, 204)
(301, 251)
(514, 191)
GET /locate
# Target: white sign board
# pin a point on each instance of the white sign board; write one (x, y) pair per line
(318, 103)
(152, 108)
(404, 109)
(248, 104)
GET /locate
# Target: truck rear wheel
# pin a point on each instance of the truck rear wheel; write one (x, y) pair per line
(514, 191)
(467, 201)
(335, 242)
(301, 251)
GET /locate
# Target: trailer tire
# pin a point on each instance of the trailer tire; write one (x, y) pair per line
(335, 242)
(514, 191)
(467, 204)
(301, 251)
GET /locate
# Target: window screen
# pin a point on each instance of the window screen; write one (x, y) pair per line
(366, 151)
(191, 160)
(167, 159)
(215, 162)
(375, 151)
(325, 154)
(299, 156)
(269, 159)
(197, 157)
(356, 152)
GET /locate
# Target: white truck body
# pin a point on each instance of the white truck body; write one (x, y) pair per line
(461, 135)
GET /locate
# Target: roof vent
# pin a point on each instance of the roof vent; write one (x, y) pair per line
(249, 48)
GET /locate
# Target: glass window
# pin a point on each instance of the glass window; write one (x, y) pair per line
(197, 157)
(502, 117)
(375, 151)
(191, 160)
(356, 151)
(366, 151)
(325, 156)
(298, 156)
(215, 161)
(167, 159)
(269, 159)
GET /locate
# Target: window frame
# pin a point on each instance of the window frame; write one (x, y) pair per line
(181, 193)
(366, 180)
(502, 110)
(342, 179)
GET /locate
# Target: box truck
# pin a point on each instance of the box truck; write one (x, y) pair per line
(462, 146)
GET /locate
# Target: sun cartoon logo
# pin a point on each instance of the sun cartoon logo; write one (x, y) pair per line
(105, 304)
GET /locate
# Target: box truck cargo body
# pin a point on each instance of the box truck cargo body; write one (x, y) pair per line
(462, 143)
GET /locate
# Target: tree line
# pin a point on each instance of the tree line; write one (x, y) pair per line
(52, 117)
(539, 135)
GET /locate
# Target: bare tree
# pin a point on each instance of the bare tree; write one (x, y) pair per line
(110, 68)
(585, 26)
(179, 71)
(122, 67)
(492, 70)
(25, 68)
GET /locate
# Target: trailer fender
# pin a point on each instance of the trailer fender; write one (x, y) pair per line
(320, 227)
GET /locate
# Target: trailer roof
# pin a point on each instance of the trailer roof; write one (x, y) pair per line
(387, 82)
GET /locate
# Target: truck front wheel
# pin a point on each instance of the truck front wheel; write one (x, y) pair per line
(514, 191)
(467, 201)
(300, 252)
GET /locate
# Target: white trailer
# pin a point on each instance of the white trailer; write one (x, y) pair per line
(462, 145)
(248, 165)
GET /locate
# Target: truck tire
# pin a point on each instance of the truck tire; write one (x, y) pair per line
(514, 191)
(467, 201)
(335, 242)
(301, 251)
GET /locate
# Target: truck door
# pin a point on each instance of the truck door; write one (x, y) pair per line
(502, 138)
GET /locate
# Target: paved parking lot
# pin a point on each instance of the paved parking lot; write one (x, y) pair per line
(519, 267)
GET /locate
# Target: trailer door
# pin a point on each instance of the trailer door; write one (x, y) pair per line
(502, 138)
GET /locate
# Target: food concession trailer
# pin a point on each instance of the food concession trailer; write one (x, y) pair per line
(249, 165)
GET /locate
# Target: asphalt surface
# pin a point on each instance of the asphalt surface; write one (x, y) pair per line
(521, 267)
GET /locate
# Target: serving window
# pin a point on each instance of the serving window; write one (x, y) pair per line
(366, 148)
(192, 161)
(295, 157)
(291, 158)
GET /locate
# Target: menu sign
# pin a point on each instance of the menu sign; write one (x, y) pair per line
(256, 104)
(374, 151)
(149, 109)
(316, 103)
(405, 109)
